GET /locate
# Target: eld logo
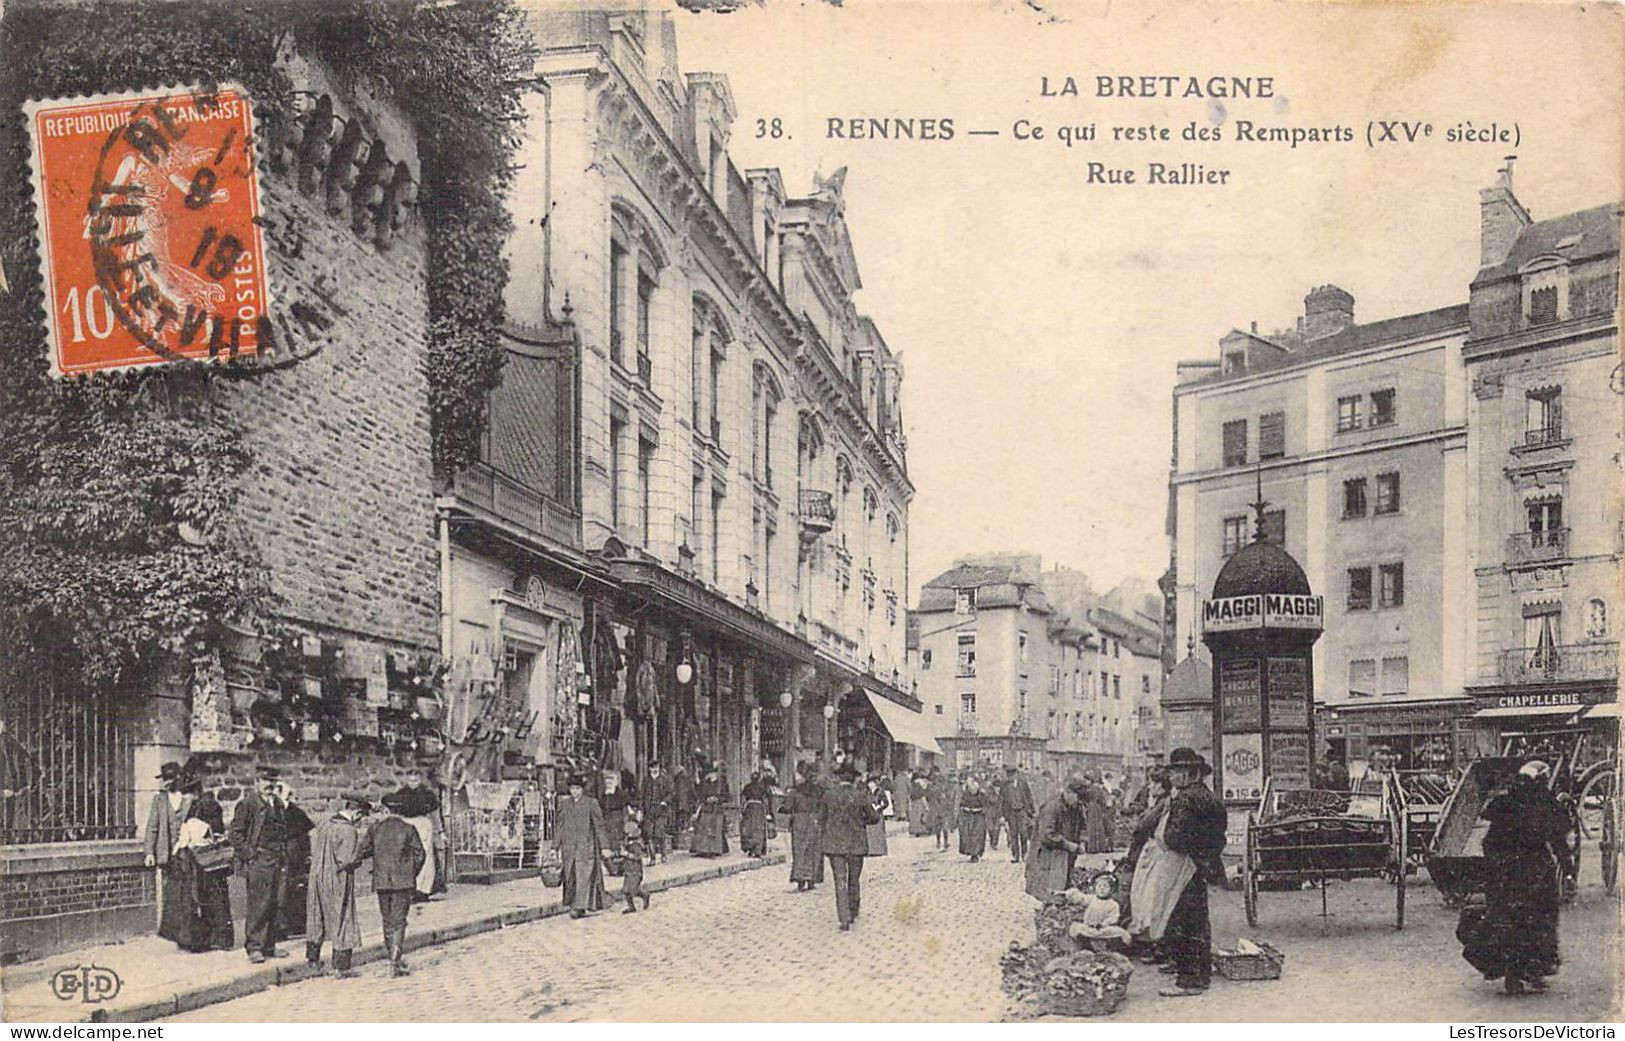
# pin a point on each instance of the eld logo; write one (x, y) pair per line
(91, 984)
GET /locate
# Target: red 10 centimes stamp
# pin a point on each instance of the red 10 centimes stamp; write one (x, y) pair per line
(150, 238)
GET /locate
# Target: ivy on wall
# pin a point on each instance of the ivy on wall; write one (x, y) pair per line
(116, 490)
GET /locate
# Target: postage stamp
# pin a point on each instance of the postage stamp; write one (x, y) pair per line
(150, 240)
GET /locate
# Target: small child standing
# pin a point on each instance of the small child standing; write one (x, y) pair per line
(632, 862)
(1100, 928)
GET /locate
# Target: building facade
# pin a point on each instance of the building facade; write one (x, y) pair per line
(729, 457)
(1355, 436)
(1543, 506)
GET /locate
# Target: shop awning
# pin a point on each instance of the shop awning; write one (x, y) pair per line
(1606, 710)
(905, 725)
(1511, 711)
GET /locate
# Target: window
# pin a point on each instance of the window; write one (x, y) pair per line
(768, 414)
(767, 570)
(1362, 677)
(1542, 637)
(1235, 534)
(1021, 651)
(1392, 591)
(967, 704)
(1359, 589)
(1543, 413)
(939, 708)
(716, 537)
(1105, 682)
(1145, 684)
(925, 660)
(617, 430)
(716, 391)
(966, 664)
(646, 292)
(1543, 305)
(1117, 687)
(1354, 498)
(1596, 618)
(1387, 493)
(1396, 675)
(964, 601)
(1545, 523)
(696, 363)
(1117, 648)
(1272, 435)
(1235, 442)
(1021, 703)
(1382, 407)
(696, 509)
(617, 302)
(1348, 413)
(1275, 526)
(646, 454)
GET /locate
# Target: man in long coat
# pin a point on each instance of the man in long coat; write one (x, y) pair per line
(421, 808)
(1016, 807)
(843, 821)
(581, 839)
(261, 841)
(939, 796)
(1195, 828)
(1057, 841)
(803, 805)
(330, 911)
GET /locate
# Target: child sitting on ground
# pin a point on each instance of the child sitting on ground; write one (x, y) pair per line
(1099, 927)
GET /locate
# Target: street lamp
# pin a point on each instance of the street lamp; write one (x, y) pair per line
(829, 738)
(786, 699)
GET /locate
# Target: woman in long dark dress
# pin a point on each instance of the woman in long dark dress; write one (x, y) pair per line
(973, 821)
(874, 835)
(197, 916)
(1526, 847)
(1097, 836)
(753, 816)
(710, 830)
(806, 855)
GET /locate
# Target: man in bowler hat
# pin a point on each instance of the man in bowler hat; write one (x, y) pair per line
(261, 839)
(843, 819)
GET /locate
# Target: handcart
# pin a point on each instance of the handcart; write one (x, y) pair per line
(1426, 792)
(1299, 836)
(1456, 861)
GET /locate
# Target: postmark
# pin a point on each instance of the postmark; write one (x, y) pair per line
(150, 228)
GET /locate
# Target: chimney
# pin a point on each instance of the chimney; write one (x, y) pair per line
(1326, 310)
(1501, 218)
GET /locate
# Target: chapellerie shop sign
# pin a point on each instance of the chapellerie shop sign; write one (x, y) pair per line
(1262, 611)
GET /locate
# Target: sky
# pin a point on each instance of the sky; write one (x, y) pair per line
(1039, 316)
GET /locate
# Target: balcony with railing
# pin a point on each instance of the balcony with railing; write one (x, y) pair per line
(488, 488)
(1542, 437)
(817, 508)
(1535, 547)
(1568, 663)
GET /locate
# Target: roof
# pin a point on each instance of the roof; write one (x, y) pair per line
(1190, 680)
(1127, 631)
(1396, 330)
(1260, 567)
(1594, 233)
(999, 585)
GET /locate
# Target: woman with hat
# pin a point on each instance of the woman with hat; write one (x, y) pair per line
(1193, 835)
(580, 838)
(1526, 848)
(754, 815)
(197, 904)
(710, 828)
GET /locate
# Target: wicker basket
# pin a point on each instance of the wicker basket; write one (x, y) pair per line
(1234, 965)
(552, 875)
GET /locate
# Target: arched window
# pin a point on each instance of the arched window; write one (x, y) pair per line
(635, 263)
(708, 354)
(843, 496)
(766, 396)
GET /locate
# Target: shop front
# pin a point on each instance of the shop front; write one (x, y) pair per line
(1434, 735)
(883, 729)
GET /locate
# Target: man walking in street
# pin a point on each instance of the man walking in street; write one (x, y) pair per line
(580, 838)
(260, 839)
(330, 911)
(397, 856)
(843, 820)
(1194, 829)
(1016, 806)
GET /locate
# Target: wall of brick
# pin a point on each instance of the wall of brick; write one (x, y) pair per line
(64, 892)
(317, 777)
(340, 501)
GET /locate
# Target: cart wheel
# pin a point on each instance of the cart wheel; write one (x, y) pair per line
(1609, 848)
(1249, 878)
(1399, 884)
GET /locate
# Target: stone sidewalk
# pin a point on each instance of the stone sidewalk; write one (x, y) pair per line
(159, 980)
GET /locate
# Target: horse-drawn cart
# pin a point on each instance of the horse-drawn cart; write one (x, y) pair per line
(1315, 836)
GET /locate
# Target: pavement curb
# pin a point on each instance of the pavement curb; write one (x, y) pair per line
(262, 979)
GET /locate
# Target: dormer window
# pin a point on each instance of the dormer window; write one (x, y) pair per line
(1234, 361)
(1546, 291)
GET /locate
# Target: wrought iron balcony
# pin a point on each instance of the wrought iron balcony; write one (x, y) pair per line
(965, 670)
(817, 511)
(514, 501)
(1569, 663)
(1531, 547)
(1540, 437)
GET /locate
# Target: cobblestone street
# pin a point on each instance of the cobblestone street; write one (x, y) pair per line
(927, 948)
